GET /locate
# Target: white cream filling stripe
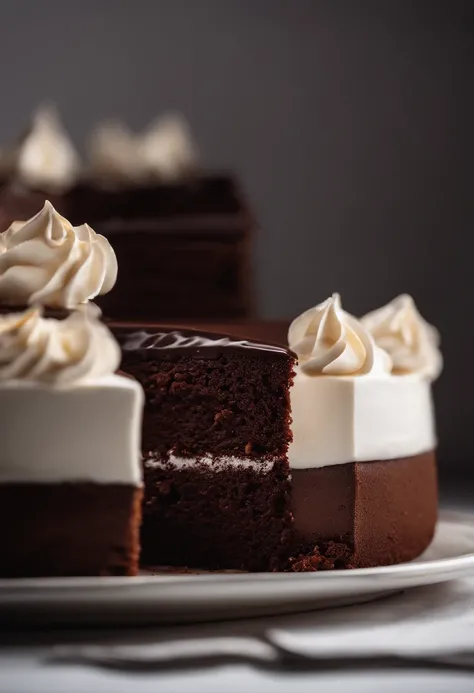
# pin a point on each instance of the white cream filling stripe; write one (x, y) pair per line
(211, 461)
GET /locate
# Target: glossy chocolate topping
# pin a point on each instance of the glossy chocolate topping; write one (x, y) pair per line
(175, 343)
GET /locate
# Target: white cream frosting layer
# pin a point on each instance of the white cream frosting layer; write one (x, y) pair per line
(48, 261)
(346, 419)
(362, 388)
(89, 433)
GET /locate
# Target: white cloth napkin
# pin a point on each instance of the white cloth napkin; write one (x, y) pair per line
(431, 622)
(424, 621)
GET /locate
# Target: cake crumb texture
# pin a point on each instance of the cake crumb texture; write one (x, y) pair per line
(328, 555)
(232, 405)
(234, 518)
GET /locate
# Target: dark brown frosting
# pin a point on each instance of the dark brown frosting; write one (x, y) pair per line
(175, 343)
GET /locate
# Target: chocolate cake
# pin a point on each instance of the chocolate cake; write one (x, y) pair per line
(70, 482)
(358, 485)
(215, 439)
(70, 473)
(363, 450)
(255, 456)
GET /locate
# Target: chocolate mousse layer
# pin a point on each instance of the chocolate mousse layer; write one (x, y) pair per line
(69, 529)
(383, 511)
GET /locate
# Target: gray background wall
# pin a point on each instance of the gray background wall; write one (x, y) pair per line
(349, 122)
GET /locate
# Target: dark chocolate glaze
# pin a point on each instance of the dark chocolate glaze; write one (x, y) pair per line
(174, 343)
(257, 330)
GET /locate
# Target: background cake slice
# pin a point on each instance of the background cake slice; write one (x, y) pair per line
(70, 471)
(183, 236)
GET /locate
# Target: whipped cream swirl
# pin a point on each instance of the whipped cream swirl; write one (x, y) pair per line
(114, 155)
(56, 352)
(48, 261)
(329, 341)
(168, 148)
(164, 152)
(411, 341)
(46, 157)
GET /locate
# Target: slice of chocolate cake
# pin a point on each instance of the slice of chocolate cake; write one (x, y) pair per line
(70, 470)
(358, 488)
(215, 440)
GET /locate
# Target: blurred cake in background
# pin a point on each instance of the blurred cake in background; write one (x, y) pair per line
(70, 468)
(183, 237)
(42, 164)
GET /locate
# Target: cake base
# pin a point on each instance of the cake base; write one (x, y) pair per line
(235, 518)
(384, 512)
(69, 529)
(344, 516)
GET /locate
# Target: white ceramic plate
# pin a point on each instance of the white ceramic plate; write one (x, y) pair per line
(191, 598)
